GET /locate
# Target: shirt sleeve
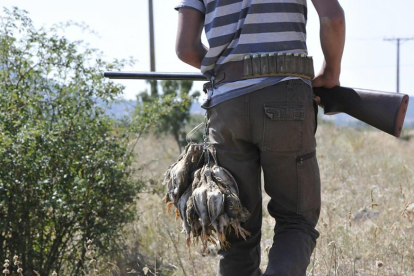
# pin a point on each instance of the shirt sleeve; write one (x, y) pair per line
(193, 4)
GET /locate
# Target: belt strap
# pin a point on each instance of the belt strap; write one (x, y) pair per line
(264, 65)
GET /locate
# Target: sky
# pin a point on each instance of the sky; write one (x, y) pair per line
(122, 26)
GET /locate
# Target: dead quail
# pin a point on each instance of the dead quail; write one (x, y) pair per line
(215, 199)
(225, 179)
(206, 197)
(196, 179)
(234, 208)
(182, 208)
(237, 213)
(167, 174)
(200, 204)
(182, 171)
(191, 215)
(168, 179)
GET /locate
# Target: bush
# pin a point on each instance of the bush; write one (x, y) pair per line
(176, 95)
(64, 165)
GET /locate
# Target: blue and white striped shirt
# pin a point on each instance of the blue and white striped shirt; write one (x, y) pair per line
(235, 28)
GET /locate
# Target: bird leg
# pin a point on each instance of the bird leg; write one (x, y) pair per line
(177, 214)
(168, 207)
(197, 235)
(211, 239)
(234, 224)
(188, 240)
(243, 232)
(224, 244)
(203, 241)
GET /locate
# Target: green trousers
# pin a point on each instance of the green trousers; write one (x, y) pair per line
(271, 130)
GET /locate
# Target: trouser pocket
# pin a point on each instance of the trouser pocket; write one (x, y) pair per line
(309, 183)
(283, 126)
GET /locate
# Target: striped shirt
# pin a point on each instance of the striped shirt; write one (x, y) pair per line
(235, 28)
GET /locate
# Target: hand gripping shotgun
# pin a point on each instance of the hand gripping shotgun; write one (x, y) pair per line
(383, 110)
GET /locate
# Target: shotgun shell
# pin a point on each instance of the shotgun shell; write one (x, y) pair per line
(302, 64)
(256, 65)
(272, 63)
(295, 64)
(264, 64)
(248, 69)
(280, 63)
(311, 70)
(288, 63)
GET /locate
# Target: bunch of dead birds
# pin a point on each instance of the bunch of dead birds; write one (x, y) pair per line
(206, 197)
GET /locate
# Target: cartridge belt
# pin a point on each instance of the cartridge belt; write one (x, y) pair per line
(264, 65)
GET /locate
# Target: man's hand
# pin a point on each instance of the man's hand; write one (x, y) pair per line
(325, 79)
(189, 47)
(332, 35)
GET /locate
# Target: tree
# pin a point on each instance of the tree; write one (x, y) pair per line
(177, 95)
(65, 174)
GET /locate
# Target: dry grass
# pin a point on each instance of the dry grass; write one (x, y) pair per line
(366, 225)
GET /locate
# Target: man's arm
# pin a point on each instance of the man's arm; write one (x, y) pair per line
(188, 46)
(332, 35)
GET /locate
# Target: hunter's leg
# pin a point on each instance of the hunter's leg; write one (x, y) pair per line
(286, 116)
(229, 132)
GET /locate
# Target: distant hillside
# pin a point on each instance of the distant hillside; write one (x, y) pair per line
(118, 109)
(123, 108)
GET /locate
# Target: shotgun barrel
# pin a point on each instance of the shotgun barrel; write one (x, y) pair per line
(155, 76)
(383, 110)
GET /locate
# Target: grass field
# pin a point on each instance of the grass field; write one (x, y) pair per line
(366, 225)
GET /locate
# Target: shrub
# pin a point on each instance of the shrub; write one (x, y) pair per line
(176, 94)
(64, 165)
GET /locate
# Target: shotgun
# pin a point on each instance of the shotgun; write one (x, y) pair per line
(383, 110)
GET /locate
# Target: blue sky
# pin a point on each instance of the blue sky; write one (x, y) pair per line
(369, 61)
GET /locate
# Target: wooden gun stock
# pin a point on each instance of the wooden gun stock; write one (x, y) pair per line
(383, 110)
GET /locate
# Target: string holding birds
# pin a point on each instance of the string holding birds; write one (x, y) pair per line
(206, 197)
